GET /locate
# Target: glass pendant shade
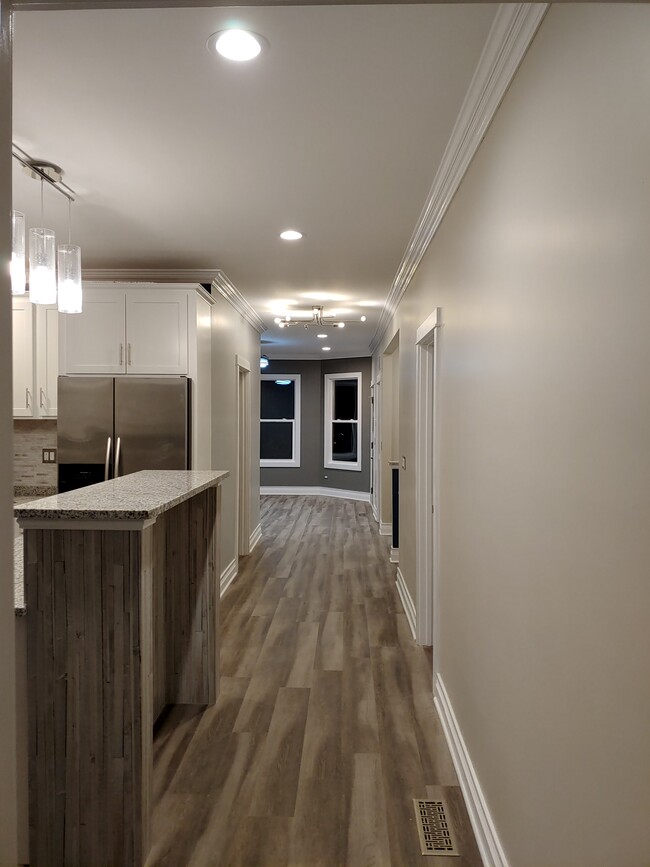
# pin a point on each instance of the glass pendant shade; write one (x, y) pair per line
(17, 267)
(69, 262)
(42, 266)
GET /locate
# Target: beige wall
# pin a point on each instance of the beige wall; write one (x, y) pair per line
(7, 617)
(232, 336)
(542, 269)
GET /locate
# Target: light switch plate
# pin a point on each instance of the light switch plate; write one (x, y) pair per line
(403, 462)
(49, 456)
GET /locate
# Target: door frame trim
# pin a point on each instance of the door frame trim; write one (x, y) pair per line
(426, 493)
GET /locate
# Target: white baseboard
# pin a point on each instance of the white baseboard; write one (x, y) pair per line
(394, 555)
(385, 529)
(228, 576)
(407, 601)
(256, 535)
(305, 491)
(486, 835)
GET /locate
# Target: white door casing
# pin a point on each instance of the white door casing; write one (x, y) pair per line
(427, 508)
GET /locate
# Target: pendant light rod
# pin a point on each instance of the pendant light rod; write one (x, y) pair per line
(38, 168)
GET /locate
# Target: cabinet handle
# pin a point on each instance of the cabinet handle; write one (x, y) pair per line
(41, 402)
(108, 458)
(121, 354)
(28, 398)
(128, 354)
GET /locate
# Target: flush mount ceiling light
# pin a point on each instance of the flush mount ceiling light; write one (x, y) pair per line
(237, 45)
(264, 361)
(291, 235)
(283, 382)
(318, 320)
(326, 348)
(321, 336)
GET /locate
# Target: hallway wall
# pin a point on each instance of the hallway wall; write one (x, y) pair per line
(541, 267)
(232, 335)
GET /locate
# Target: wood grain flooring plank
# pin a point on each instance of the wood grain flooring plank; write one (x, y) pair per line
(360, 727)
(329, 652)
(367, 844)
(382, 629)
(302, 670)
(403, 777)
(321, 754)
(279, 763)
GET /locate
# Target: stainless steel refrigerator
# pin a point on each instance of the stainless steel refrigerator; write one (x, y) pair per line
(109, 426)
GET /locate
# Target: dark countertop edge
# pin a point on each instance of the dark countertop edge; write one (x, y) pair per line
(33, 512)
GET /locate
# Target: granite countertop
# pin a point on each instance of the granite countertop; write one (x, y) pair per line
(19, 585)
(135, 497)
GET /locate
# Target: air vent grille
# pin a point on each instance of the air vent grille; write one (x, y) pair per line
(434, 828)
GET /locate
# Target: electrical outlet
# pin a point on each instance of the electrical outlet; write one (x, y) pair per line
(49, 456)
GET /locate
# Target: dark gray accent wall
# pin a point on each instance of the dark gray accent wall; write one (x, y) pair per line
(311, 472)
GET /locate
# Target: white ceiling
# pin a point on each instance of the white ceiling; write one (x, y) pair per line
(183, 160)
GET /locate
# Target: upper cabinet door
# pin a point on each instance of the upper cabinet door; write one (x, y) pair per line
(47, 359)
(23, 357)
(94, 341)
(156, 332)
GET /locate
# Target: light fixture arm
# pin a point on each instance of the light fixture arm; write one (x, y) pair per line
(39, 169)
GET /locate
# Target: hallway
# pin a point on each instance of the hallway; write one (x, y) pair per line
(325, 727)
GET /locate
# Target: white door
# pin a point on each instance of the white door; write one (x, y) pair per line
(94, 340)
(23, 357)
(156, 332)
(47, 359)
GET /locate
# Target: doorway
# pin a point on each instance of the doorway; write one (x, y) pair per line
(427, 510)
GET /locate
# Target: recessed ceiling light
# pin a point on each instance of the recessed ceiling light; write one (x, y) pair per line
(326, 348)
(290, 235)
(322, 336)
(363, 318)
(283, 382)
(239, 45)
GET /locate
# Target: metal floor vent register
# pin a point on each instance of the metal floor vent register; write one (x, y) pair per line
(434, 828)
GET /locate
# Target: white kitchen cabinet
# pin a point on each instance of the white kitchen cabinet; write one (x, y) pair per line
(47, 359)
(139, 330)
(35, 358)
(156, 332)
(23, 357)
(94, 341)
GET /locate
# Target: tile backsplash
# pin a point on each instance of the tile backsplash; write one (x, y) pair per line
(30, 438)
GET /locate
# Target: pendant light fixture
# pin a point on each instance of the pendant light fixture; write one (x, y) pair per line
(69, 261)
(42, 263)
(17, 267)
(43, 253)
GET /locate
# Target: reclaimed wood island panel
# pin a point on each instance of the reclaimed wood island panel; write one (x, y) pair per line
(121, 597)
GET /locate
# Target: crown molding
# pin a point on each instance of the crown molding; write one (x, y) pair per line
(227, 288)
(153, 275)
(512, 32)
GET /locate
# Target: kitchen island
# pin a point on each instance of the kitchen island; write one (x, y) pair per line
(121, 584)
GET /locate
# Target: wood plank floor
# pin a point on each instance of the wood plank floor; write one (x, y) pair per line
(325, 727)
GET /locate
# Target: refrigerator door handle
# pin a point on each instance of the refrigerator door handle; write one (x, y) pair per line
(116, 474)
(108, 458)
